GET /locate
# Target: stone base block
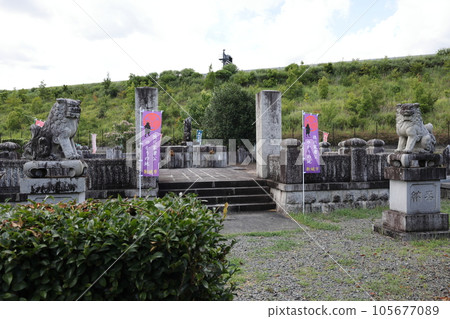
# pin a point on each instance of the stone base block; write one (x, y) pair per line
(415, 197)
(401, 222)
(62, 189)
(407, 236)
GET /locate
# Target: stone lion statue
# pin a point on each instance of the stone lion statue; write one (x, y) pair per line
(411, 130)
(54, 141)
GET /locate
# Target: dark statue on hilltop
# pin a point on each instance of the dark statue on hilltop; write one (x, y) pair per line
(226, 59)
(54, 140)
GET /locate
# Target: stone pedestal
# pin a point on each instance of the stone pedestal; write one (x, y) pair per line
(62, 189)
(414, 204)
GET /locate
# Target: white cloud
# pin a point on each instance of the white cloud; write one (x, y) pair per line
(57, 42)
(417, 27)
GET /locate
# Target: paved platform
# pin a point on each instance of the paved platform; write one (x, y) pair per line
(252, 222)
(230, 173)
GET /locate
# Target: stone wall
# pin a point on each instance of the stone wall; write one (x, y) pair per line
(350, 178)
(179, 156)
(354, 165)
(104, 178)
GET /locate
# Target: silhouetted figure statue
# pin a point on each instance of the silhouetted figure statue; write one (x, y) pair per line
(226, 59)
(148, 129)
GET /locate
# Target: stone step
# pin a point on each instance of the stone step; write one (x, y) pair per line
(245, 207)
(212, 184)
(205, 192)
(237, 199)
(241, 195)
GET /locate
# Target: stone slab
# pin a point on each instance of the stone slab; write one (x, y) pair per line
(415, 197)
(402, 222)
(415, 173)
(408, 236)
(50, 186)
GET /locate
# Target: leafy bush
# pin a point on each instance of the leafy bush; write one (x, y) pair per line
(165, 249)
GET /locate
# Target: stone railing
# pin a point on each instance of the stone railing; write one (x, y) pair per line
(352, 163)
(351, 177)
(104, 178)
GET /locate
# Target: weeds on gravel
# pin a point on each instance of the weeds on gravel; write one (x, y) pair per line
(313, 221)
(329, 221)
(281, 233)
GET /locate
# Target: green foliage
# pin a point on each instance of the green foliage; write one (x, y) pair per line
(322, 87)
(364, 93)
(210, 80)
(231, 114)
(424, 97)
(120, 134)
(14, 120)
(162, 249)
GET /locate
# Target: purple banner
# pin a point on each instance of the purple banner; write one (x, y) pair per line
(311, 153)
(150, 142)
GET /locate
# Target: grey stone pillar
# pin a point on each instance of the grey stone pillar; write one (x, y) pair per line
(358, 158)
(268, 129)
(146, 98)
(291, 164)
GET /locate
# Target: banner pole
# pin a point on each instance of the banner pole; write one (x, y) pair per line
(140, 153)
(303, 161)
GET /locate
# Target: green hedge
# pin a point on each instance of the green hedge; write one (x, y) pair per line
(163, 249)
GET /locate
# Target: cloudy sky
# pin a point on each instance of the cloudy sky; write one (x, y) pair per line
(80, 41)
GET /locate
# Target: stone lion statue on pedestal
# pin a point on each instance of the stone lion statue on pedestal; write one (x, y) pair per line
(54, 141)
(411, 130)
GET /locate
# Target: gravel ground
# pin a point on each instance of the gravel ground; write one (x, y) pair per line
(356, 264)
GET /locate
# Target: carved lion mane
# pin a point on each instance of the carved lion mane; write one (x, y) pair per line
(411, 130)
(54, 141)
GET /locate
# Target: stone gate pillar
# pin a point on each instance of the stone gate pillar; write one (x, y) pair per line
(146, 98)
(268, 129)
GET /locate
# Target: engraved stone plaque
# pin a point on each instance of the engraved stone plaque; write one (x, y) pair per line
(424, 198)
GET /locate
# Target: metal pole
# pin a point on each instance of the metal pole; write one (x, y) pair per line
(303, 161)
(140, 153)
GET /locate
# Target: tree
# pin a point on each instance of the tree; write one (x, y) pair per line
(107, 83)
(322, 87)
(210, 80)
(44, 92)
(231, 114)
(14, 120)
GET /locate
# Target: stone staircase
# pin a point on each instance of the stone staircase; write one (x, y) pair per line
(241, 196)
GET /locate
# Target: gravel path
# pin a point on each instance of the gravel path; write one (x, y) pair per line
(291, 266)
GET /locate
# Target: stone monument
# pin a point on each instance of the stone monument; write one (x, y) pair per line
(187, 130)
(55, 168)
(414, 182)
(268, 129)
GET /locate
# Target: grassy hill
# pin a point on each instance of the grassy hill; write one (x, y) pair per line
(354, 98)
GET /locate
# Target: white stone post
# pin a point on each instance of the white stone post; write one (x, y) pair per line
(268, 129)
